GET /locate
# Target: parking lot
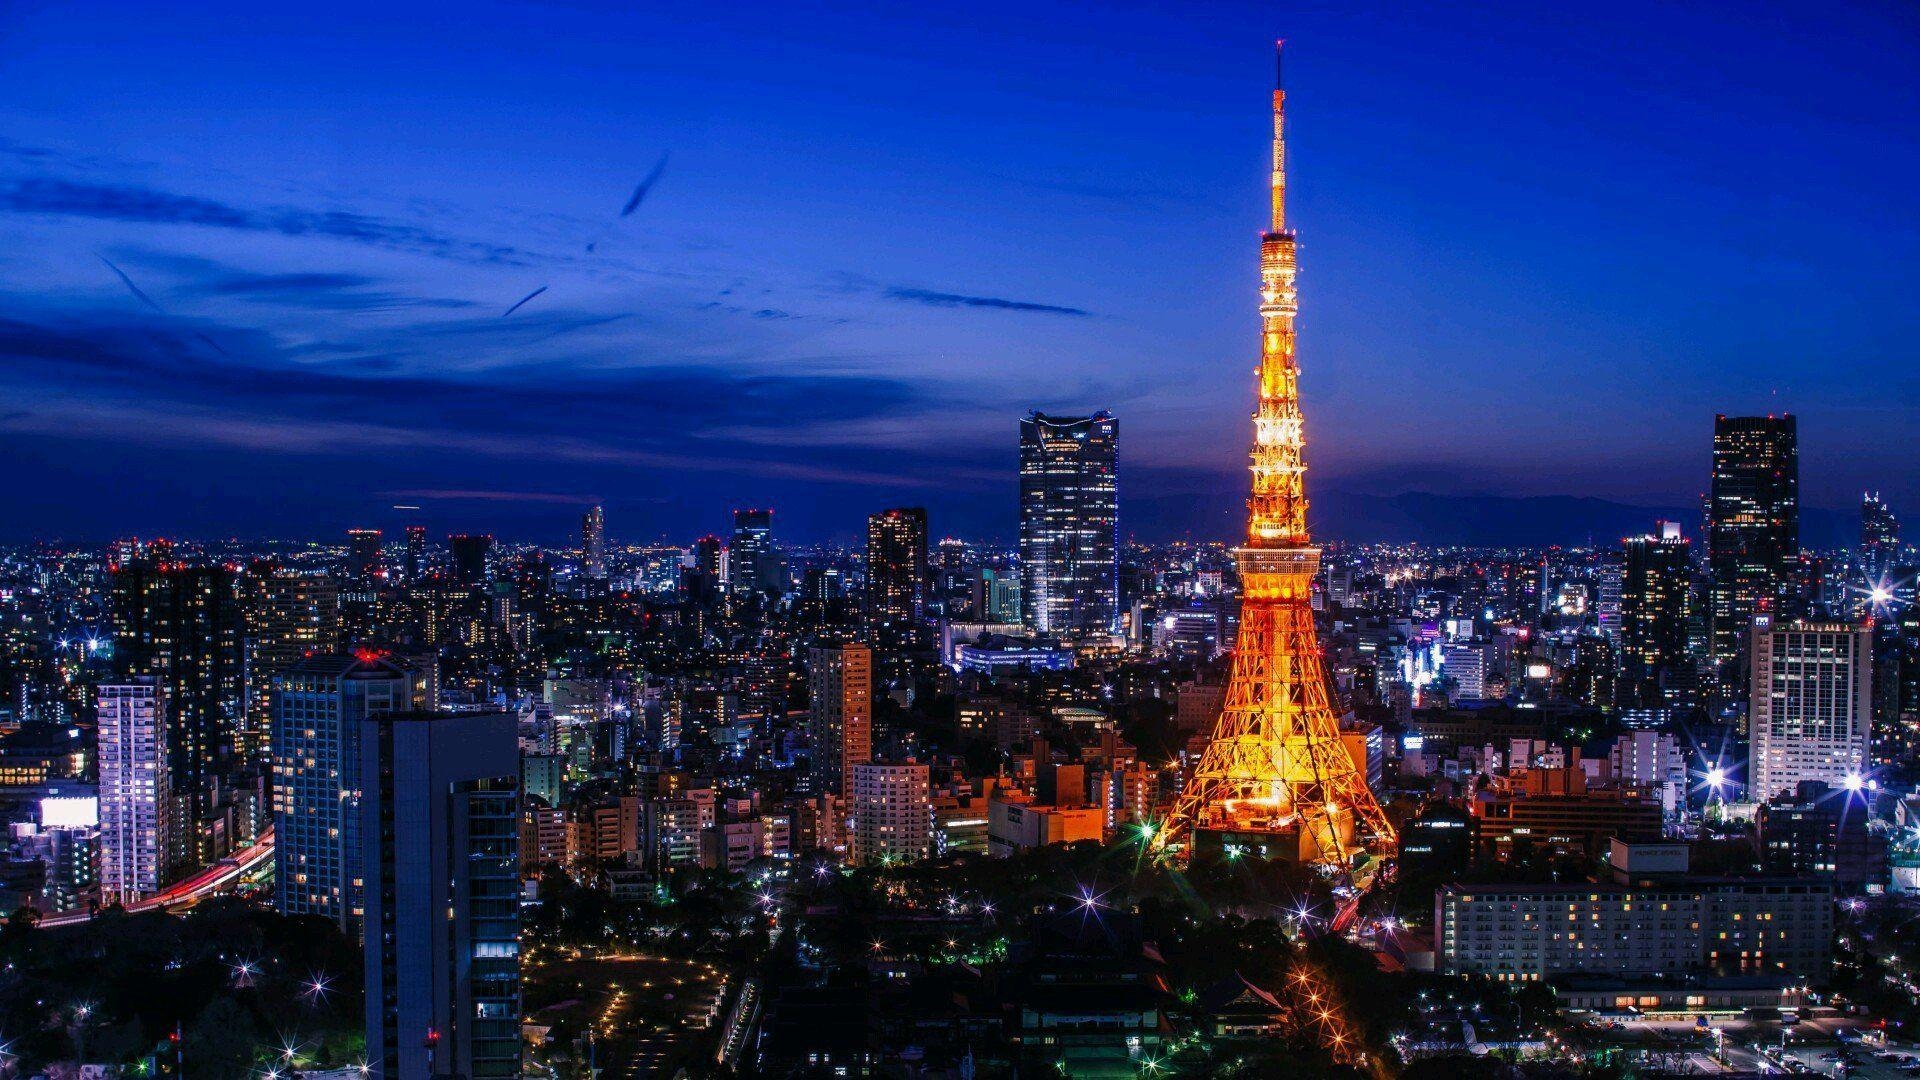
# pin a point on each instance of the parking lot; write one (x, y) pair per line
(1829, 1045)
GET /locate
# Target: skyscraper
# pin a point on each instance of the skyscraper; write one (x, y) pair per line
(840, 722)
(416, 553)
(1655, 598)
(472, 558)
(319, 707)
(1753, 525)
(285, 616)
(1069, 525)
(136, 824)
(753, 565)
(1811, 704)
(1277, 778)
(1879, 537)
(593, 543)
(365, 564)
(897, 575)
(440, 839)
(181, 625)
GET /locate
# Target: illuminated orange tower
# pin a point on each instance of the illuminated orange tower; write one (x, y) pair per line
(1276, 779)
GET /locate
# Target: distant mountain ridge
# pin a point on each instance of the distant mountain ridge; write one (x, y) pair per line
(1423, 517)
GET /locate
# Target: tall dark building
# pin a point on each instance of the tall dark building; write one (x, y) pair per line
(472, 556)
(701, 581)
(319, 706)
(1879, 537)
(285, 617)
(593, 543)
(440, 847)
(180, 624)
(364, 562)
(897, 574)
(753, 565)
(1656, 592)
(1069, 525)
(416, 552)
(1753, 526)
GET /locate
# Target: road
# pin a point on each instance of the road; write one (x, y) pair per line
(212, 881)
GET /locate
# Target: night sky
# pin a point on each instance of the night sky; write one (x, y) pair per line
(1540, 250)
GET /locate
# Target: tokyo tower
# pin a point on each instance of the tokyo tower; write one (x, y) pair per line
(1276, 780)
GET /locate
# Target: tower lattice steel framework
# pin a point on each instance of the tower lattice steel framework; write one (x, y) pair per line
(1276, 768)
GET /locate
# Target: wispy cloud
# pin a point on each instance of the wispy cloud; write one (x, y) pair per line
(948, 300)
(145, 205)
(319, 291)
(143, 380)
(472, 495)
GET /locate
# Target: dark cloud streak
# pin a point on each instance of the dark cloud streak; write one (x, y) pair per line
(131, 287)
(667, 408)
(128, 203)
(949, 300)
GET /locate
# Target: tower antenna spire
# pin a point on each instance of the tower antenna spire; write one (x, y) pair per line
(1279, 136)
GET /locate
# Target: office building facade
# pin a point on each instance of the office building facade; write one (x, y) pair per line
(320, 705)
(840, 722)
(440, 828)
(1810, 707)
(472, 558)
(1656, 593)
(1707, 926)
(285, 618)
(897, 574)
(365, 564)
(1879, 538)
(593, 543)
(1069, 525)
(1753, 526)
(753, 563)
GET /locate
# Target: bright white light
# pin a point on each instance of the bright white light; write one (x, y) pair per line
(1880, 594)
(1716, 777)
(1853, 782)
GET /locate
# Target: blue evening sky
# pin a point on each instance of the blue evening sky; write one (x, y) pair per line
(1542, 245)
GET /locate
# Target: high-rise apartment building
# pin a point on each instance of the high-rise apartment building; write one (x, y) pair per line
(593, 543)
(1810, 709)
(1656, 591)
(1069, 525)
(840, 724)
(1753, 526)
(181, 624)
(136, 822)
(440, 838)
(753, 564)
(472, 558)
(897, 574)
(365, 563)
(320, 705)
(1879, 537)
(892, 813)
(285, 617)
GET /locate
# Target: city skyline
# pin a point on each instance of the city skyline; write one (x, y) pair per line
(317, 334)
(1261, 770)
